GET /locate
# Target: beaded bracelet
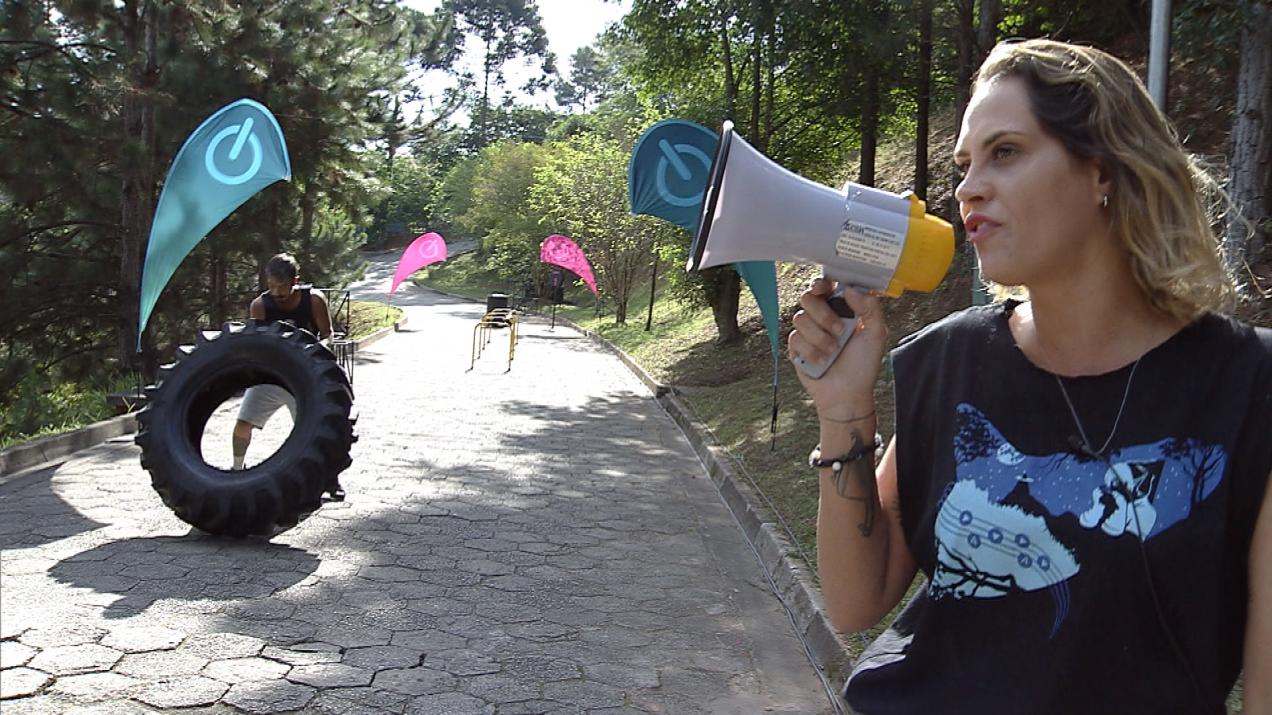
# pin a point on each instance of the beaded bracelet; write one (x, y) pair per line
(870, 500)
(838, 463)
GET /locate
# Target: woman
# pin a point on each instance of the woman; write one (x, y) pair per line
(1081, 471)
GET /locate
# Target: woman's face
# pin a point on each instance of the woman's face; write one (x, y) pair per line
(1032, 209)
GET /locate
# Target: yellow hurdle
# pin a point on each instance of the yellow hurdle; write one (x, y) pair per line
(497, 318)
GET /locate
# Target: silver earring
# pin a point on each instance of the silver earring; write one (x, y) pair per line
(1105, 203)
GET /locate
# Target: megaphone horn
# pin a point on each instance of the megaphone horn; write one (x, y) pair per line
(868, 238)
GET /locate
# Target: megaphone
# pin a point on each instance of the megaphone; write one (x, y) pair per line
(756, 210)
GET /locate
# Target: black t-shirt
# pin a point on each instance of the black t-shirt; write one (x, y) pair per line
(1040, 594)
(302, 316)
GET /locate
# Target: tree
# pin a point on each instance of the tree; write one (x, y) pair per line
(589, 77)
(410, 186)
(137, 168)
(70, 240)
(581, 192)
(1250, 182)
(923, 97)
(500, 212)
(507, 29)
(454, 196)
(692, 45)
(510, 122)
(96, 99)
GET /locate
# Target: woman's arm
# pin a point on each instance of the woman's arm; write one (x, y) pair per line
(862, 559)
(863, 562)
(1258, 635)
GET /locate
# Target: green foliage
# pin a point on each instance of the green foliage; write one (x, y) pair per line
(510, 122)
(500, 213)
(40, 405)
(411, 190)
(453, 197)
(1093, 21)
(1210, 31)
(581, 192)
(96, 110)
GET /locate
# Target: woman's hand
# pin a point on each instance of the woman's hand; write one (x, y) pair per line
(846, 390)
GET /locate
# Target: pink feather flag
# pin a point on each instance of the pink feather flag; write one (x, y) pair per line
(429, 248)
(561, 251)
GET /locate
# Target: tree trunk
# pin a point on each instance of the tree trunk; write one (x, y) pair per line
(964, 11)
(137, 169)
(770, 82)
(274, 238)
(485, 99)
(922, 93)
(757, 59)
(869, 130)
(1251, 161)
(308, 206)
(716, 281)
(219, 298)
(620, 309)
(653, 291)
(987, 32)
(723, 286)
(730, 82)
(392, 135)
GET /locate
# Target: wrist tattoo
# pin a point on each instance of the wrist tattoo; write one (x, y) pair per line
(850, 420)
(862, 471)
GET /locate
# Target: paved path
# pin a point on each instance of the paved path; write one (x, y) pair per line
(535, 541)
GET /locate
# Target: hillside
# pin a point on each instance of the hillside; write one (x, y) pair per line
(1195, 104)
(730, 387)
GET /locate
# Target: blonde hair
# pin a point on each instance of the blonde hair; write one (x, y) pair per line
(1162, 199)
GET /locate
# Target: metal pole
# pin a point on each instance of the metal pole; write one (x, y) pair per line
(1159, 53)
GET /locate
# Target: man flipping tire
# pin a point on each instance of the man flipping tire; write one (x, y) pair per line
(302, 307)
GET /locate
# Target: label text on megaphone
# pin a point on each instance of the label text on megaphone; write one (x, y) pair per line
(871, 245)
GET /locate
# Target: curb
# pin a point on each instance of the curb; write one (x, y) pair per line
(373, 337)
(788, 576)
(59, 446)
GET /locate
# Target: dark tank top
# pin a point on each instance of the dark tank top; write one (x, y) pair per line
(1059, 578)
(302, 316)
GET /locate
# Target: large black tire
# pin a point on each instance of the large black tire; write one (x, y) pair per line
(277, 493)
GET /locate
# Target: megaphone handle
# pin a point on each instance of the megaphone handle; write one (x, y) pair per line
(836, 300)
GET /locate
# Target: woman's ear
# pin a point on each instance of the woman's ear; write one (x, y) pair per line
(1102, 182)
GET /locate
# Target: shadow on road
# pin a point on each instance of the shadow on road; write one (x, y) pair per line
(35, 515)
(194, 567)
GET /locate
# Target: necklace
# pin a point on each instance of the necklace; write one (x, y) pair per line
(1086, 443)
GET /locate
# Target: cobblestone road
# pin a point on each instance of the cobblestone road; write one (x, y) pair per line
(541, 540)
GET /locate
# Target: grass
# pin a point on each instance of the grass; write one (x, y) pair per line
(368, 316)
(462, 275)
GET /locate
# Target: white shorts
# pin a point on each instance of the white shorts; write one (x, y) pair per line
(260, 402)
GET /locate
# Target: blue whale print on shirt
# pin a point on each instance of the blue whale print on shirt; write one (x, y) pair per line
(987, 548)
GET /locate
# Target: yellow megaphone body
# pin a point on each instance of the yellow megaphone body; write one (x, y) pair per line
(756, 210)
